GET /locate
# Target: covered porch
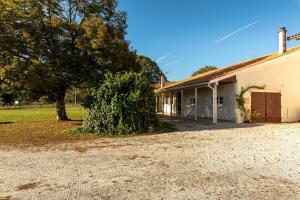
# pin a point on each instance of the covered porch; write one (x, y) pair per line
(207, 102)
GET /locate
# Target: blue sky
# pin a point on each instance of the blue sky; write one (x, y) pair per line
(185, 35)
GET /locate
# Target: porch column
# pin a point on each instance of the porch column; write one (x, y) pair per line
(163, 102)
(171, 104)
(215, 103)
(182, 104)
(196, 103)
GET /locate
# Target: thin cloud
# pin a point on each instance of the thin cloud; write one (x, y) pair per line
(236, 31)
(173, 62)
(160, 59)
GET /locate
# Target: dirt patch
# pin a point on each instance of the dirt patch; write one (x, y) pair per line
(80, 149)
(27, 186)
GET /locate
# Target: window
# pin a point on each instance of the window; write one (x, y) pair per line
(220, 101)
(192, 101)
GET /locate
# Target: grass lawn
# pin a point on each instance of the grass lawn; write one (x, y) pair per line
(38, 114)
(38, 126)
(39, 133)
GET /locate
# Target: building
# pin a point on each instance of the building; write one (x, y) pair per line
(272, 82)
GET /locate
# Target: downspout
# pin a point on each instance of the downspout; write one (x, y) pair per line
(210, 86)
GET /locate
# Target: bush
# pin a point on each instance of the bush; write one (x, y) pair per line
(123, 104)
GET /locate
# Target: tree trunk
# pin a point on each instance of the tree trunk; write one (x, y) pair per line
(61, 114)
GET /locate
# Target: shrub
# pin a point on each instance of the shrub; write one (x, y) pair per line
(123, 104)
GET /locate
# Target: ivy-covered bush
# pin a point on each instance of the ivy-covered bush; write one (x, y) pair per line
(122, 104)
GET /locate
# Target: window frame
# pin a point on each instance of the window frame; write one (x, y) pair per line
(192, 101)
(220, 101)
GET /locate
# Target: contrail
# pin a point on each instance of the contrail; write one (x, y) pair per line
(235, 32)
(173, 62)
(160, 59)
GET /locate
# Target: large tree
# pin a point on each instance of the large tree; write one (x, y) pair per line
(150, 69)
(48, 46)
(204, 69)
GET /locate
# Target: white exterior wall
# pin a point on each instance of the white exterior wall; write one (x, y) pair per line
(278, 75)
(228, 110)
(188, 109)
(205, 109)
(167, 103)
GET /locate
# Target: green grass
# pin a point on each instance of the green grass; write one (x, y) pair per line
(38, 114)
(38, 126)
(39, 133)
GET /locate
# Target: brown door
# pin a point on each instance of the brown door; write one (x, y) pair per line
(273, 107)
(258, 107)
(265, 107)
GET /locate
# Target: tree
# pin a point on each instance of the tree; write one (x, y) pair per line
(7, 97)
(150, 69)
(123, 104)
(202, 70)
(50, 46)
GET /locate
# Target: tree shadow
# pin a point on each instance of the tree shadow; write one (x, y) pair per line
(6, 123)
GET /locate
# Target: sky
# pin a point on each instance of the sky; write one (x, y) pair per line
(183, 35)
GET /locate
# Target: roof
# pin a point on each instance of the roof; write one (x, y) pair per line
(168, 83)
(217, 73)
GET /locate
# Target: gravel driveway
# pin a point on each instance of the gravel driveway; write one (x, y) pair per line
(212, 162)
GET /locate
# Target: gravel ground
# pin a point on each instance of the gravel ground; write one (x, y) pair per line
(206, 162)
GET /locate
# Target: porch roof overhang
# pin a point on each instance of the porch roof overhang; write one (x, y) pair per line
(220, 80)
(204, 84)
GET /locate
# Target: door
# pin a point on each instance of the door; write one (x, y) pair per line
(273, 107)
(265, 107)
(178, 104)
(258, 107)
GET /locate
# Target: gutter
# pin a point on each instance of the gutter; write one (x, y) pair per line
(181, 87)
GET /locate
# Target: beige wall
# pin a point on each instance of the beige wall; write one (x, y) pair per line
(279, 75)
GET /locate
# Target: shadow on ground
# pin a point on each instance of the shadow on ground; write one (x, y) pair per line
(6, 122)
(184, 124)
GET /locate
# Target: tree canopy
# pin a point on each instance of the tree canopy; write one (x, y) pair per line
(204, 69)
(150, 69)
(50, 46)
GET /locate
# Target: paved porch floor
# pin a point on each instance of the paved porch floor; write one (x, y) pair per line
(186, 124)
